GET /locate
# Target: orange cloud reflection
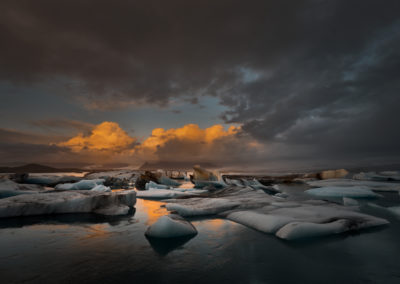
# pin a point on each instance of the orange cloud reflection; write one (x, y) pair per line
(153, 210)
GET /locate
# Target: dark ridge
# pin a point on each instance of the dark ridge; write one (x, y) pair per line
(36, 168)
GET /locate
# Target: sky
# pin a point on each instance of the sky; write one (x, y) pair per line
(244, 84)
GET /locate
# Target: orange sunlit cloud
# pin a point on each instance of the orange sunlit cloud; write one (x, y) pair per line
(109, 142)
(106, 136)
(189, 132)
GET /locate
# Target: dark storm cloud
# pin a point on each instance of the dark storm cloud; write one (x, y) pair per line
(319, 75)
(62, 124)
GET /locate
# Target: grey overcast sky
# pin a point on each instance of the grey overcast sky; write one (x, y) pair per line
(300, 83)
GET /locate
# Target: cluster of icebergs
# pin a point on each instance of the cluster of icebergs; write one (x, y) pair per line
(265, 209)
(243, 200)
(81, 196)
(288, 220)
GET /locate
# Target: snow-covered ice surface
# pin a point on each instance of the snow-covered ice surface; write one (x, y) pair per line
(286, 219)
(80, 185)
(109, 203)
(121, 174)
(153, 185)
(10, 188)
(51, 179)
(154, 193)
(101, 188)
(373, 185)
(383, 176)
(347, 201)
(204, 183)
(342, 191)
(171, 226)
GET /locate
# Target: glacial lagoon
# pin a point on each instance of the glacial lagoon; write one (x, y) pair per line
(90, 248)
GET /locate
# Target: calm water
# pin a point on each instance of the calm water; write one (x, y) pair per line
(86, 248)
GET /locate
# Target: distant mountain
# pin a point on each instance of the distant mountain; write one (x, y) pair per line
(170, 165)
(36, 168)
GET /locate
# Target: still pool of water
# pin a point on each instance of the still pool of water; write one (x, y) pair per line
(86, 248)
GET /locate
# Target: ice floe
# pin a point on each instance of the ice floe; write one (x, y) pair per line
(50, 180)
(10, 188)
(101, 188)
(154, 193)
(374, 185)
(349, 201)
(80, 185)
(342, 191)
(211, 183)
(286, 219)
(171, 226)
(153, 185)
(373, 176)
(80, 201)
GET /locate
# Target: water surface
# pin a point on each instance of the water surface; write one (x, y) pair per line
(87, 248)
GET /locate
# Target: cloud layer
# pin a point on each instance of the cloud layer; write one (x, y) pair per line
(307, 79)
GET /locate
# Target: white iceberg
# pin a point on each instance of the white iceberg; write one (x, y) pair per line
(80, 201)
(269, 214)
(154, 193)
(393, 176)
(349, 201)
(153, 185)
(301, 230)
(266, 223)
(341, 191)
(120, 174)
(167, 181)
(202, 206)
(204, 183)
(171, 226)
(305, 221)
(49, 180)
(373, 185)
(10, 188)
(80, 185)
(101, 188)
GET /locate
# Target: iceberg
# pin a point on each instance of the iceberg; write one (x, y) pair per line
(153, 185)
(202, 174)
(10, 188)
(386, 176)
(170, 226)
(158, 177)
(301, 230)
(269, 224)
(167, 181)
(373, 185)
(286, 219)
(211, 183)
(166, 193)
(349, 201)
(101, 188)
(79, 201)
(50, 180)
(341, 191)
(329, 174)
(80, 185)
(202, 206)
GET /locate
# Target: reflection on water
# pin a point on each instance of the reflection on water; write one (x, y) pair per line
(88, 248)
(165, 246)
(152, 209)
